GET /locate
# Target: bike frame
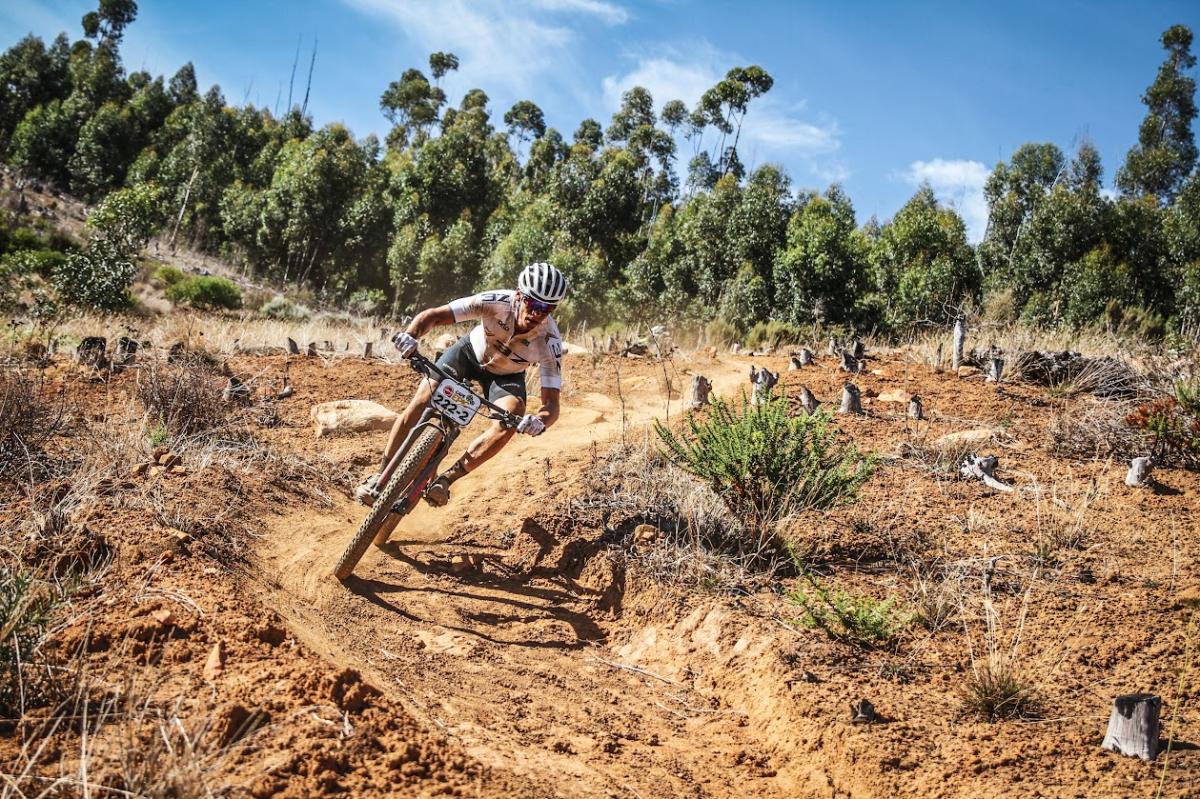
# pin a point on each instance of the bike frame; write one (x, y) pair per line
(432, 417)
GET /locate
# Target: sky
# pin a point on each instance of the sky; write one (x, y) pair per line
(878, 96)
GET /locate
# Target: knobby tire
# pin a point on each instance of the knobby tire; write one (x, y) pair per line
(408, 471)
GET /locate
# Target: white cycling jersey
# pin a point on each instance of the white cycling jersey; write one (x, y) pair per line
(500, 350)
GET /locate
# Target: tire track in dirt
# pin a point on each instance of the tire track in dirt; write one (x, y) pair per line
(515, 669)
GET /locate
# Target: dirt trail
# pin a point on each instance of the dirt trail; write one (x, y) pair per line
(516, 669)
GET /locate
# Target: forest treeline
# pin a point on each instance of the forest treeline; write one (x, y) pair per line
(652, 215)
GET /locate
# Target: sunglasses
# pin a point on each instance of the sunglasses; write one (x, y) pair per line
(537, 306)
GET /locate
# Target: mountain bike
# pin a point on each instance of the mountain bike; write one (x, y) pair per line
(451, 408)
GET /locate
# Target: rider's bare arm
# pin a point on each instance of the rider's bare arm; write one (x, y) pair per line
(549, 410)
(428, 319)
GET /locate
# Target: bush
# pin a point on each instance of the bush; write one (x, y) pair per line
(206, 292)
(27, 607)
(859, 620)
(720, 333)
(766, 464)
(27, 421)
(772, 334)
(284, 309)
(181, 399)
(368, 302)
(95, 279)
(168, 276)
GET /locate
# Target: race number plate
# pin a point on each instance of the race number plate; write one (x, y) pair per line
(456, 401)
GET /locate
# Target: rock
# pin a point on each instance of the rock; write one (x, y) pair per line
(159, 452)
(350, 416)
(644, 535)
(155, 471)
(178, 471)
(167, 460)
(863, 712)
(965, 437)
(215, 665)
(164, 617)
(141, 469)
(896, 396)
(464, 564)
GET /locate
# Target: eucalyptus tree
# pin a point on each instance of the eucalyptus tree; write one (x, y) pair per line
(822, 268)
(1166, 151)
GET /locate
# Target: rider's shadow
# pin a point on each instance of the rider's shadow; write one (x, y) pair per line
(520, 612)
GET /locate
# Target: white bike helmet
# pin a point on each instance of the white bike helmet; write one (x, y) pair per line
(542, 282)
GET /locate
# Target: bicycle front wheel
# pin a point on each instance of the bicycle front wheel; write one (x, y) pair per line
(410, 468)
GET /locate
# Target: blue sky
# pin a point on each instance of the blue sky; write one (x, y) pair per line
(876, 95)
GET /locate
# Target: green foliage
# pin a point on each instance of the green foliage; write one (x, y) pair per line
(368, 302)
(766, 464)
(851, 618)
(124, 222)
(27, 608)
(167, 275)
(995, 689)
(285, 310)
(718, 332)
(206, 291)
(96, 280)
(772, 334)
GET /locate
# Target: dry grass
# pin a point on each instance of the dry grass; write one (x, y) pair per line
(1000, 684)
(28, 420)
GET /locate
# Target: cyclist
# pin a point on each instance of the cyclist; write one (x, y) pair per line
(515, 330)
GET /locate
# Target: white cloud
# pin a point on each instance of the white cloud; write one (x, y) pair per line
(959, 184)
(775, 129)
(512, 45)
(610, 13)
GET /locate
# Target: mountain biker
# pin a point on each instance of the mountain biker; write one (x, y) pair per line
(515, 330)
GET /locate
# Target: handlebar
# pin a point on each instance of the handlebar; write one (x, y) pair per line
(422, 364)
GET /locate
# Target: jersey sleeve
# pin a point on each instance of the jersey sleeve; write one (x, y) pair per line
(465, 308)
(550, 365)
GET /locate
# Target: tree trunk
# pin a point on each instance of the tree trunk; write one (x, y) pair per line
(851, 399)
(995, 370)
(849, 363)
(959, 338)
(857, 349)
(1133, 726)
(937, 359)
(806, 357)
(1139, 472)
(698, 392)
(914, 408)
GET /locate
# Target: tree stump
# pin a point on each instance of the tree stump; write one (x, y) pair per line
(367, 349)
(763, 381)
(327, 345)
(610, 344)
(958, 339)
(126, 351)
(698, 392)
(851, 399)
(1139, 472)
(983, 469)
(806, 357)
(312, 349)
(850, 363)
(937, 359)
(914, 408)
(807, 401)
(1133, 726)
(831, 348)
(858, 349)
(91, 352)
(995, 369)
(177, 352)
(794, 364)
(735, 349)
(235, 391)
(292, 347)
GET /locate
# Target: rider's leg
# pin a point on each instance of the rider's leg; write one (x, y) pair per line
(483, 447)
(406, 420)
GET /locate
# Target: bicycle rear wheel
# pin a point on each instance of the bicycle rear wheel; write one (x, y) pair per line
(410, 468)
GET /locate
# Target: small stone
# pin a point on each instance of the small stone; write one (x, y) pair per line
(164, 617)
(155, 471)
(168, 460)
(895, 395)
(863, 712)
(462, 564)
(215, 665)
(141, 469)
(159, 452)
(178, 471)
(645, 534)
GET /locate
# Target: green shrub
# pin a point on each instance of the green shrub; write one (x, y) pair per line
(24, 238)
(859, 620)
(167, 276)
(368, 302)
(207, 292)
(766, 464)
(95, 279)
(720, 333)
(284, 309)
(27, 607)
(772, 333)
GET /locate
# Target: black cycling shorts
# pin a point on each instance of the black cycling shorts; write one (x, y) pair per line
(461, 358)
